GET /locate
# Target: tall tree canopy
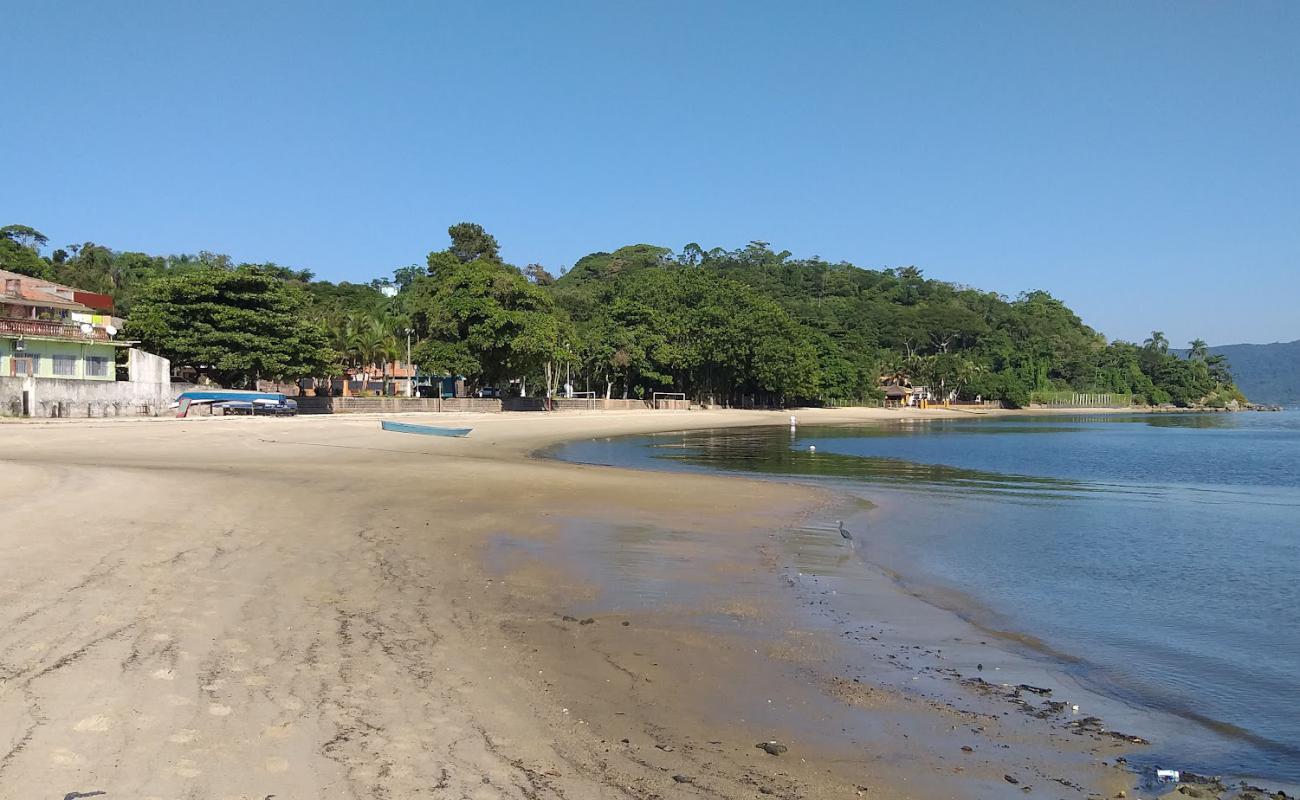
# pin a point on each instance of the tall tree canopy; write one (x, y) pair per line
(478, 317)
(743, 325)
(236, 325)
(20, 251)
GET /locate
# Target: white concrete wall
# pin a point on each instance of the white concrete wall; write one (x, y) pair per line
(63, 397)
(148, 368)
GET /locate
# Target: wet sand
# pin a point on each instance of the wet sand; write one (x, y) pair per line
(238, 608)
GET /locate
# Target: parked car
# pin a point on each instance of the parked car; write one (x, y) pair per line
(488, 391)
(271, 408)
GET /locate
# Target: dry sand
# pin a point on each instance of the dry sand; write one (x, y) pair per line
(313, 608)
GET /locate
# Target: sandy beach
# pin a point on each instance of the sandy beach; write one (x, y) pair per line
(313, 608)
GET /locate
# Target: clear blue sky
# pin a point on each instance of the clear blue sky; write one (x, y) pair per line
(1140, 160)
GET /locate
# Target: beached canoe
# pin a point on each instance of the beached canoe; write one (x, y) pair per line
(424, 430)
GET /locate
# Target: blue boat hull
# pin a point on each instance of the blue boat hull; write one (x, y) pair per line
(424, 430)
(186, 399)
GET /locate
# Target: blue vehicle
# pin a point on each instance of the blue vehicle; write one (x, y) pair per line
(239, 402)
(273, 408)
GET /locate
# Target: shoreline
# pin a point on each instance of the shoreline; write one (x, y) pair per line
(1061, 669)
(504, 504)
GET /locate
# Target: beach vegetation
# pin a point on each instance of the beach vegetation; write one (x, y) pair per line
(751, 325)
(235, 325)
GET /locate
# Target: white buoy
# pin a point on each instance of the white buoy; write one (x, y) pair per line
(812, 448)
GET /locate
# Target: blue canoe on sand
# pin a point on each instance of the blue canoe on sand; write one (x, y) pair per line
(424, 430)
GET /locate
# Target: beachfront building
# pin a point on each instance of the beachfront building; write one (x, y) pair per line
(53, 331)
(58, 354)
(897, 396)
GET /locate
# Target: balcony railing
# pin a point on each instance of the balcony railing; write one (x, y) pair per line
(60, 330)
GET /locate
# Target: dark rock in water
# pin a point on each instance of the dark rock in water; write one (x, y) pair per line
(979, 667)
(626, 623)
(1024, 687)
(1054, 706)
(772, 748)
(1010, 779)
(587, 621)
(967, 748)
(567, 618)
(1093, 725)
(1127, 737)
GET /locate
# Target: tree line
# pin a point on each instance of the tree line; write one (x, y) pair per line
(749, 325)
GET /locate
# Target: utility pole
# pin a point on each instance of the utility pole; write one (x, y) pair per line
(410, 370)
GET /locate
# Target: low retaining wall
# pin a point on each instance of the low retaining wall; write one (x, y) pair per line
(573, 404)
(53, 397)
(397, 405)
(393, 405)
(148, 393)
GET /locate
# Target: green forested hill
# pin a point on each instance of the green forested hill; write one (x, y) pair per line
(737, 326)
(1266, 373)
(844, 327)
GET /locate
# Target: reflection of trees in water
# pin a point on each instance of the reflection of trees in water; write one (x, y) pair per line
(1222, 420)
(768, 451)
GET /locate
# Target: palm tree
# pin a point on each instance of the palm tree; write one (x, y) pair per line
(967, 371)
(1157, 342)
(1199, 349)
(371, 343)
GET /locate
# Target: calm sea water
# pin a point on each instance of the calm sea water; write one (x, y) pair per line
(1160, 552)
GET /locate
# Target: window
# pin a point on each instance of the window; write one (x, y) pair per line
(96, 367)
(65, 366)
(25, 364)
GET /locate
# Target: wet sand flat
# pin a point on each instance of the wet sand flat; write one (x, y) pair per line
(238, 608)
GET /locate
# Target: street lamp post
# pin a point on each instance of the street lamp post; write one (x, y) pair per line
(410, 370)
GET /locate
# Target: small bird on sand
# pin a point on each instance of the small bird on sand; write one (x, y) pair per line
(844, 531)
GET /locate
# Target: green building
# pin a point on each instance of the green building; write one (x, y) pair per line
(56, 332)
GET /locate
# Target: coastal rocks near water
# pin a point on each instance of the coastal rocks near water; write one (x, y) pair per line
(1193, 785)
(1093, 726)
(1049, 709)
(772, 748)
(1230, 407)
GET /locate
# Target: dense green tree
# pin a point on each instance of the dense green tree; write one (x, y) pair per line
(233, 325)
(20, 251)
(751, 324)
(470, 242)
(480, 318)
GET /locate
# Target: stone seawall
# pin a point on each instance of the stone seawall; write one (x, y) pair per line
(393, 405)
(397, 405)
